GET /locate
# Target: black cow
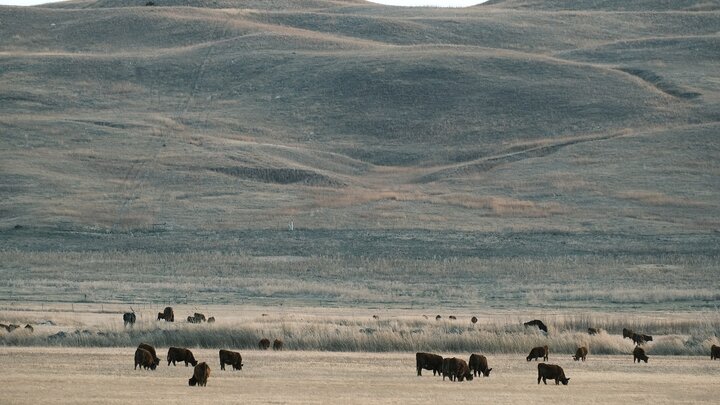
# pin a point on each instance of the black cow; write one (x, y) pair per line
(479, 365)
(553, 372)
(428, 361)
(129, 318)
(538, 323)
(537, 352)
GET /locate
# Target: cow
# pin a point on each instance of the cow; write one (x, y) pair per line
(714, 352)
(29, 328)
(639, 354)
(2, 325)
(446, 368)
(144, 359)
(458, 370)
(553, 372)
(277, 344)
(580, 353)
(437, 318)
(150, 350)
(453, 317)
(264, 344)
(161, 316)
(428, 361)
(200, 317)
(376, 317)
(592, 331)
(474, 319)
(176, 354)
(537, 352)
(129, 318)
(479, 365)
(211, 319)
(538, 323)
(168, 315)
(200, 375)
(627, 333)
(639, 338)
(192, 319)
(232, 358)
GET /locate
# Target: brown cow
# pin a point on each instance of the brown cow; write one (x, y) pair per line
(453, 317)
(428, 361)
(151, 350)
(593, 331)
(714, 352)
(232, 358)
(176, 354)
(200, 317)
(639, 338)
(537, 352)
(169, 314)
(200, 375)
(458, 370)
(474, 319)
(553, 372)
(536, 322)
(479, 365)
(627, 333)
(144, 359)
(580, 353)
(277, 344)
(639, 354)
(192, 319)
(211, 319)
(264, 344)
(29, 328)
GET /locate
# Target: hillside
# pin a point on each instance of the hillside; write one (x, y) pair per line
(510, 129)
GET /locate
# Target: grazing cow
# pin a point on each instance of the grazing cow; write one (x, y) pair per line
(538, 323)
(161, 316)
(200, 375)
(144, 359)
(150, 350)
(639, 338)
(428, 361)
(479, 365)
(168, 314)
(129, 318)
(176, 354)
(376, 317)
(458, 370)
(474, 319)
(537, 352)
(10, 327)
(264, 344)
(2, 325)
(714, 352)
(553, 372)
(199, 316)
(592, 331)
(446, 368)
(232, 358)
(211, 319)
(29, 328)
(639, 354)
(277, 344)
(453, 317)
(437, 318)
(192, 319)
(627, 333)
(580, 353)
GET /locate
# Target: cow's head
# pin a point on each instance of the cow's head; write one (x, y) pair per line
(469, 376)
(486, 373)
(193, 362)
(564, 381)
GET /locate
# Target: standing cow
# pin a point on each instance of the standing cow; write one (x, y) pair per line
(714, 352)
(176, 354)
(536, 322)
(264, 344)
(457, 370)
(428, 361)
(200, 375)
(232, 358)
(129, 318)
(537, 352)
(580, 353)
(479, 365)
(639, 354)
(168, 315)
(277, 344)
(150, 350)
(144, 359)
(553, 372)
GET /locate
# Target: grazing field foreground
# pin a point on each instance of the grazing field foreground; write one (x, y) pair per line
(93, 375)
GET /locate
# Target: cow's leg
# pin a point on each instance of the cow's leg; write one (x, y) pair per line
(544, 380)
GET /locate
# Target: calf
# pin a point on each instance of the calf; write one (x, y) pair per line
(277, 344)
(264, 344)
(232, 358)
(639, 354)
(580, 353)
(714, 352)
(200, 375)
(176, 354)
(428, 361)
(553, 372)
(144, 359)
(479, 365)
(537, 352)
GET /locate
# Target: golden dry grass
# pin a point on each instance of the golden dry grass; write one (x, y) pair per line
(78, 376)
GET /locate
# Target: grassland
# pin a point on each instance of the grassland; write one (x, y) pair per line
(107, 375)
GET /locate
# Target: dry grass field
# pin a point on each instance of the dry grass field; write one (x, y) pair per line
(93, 375)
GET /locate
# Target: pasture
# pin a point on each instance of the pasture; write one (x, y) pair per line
(93, 375)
